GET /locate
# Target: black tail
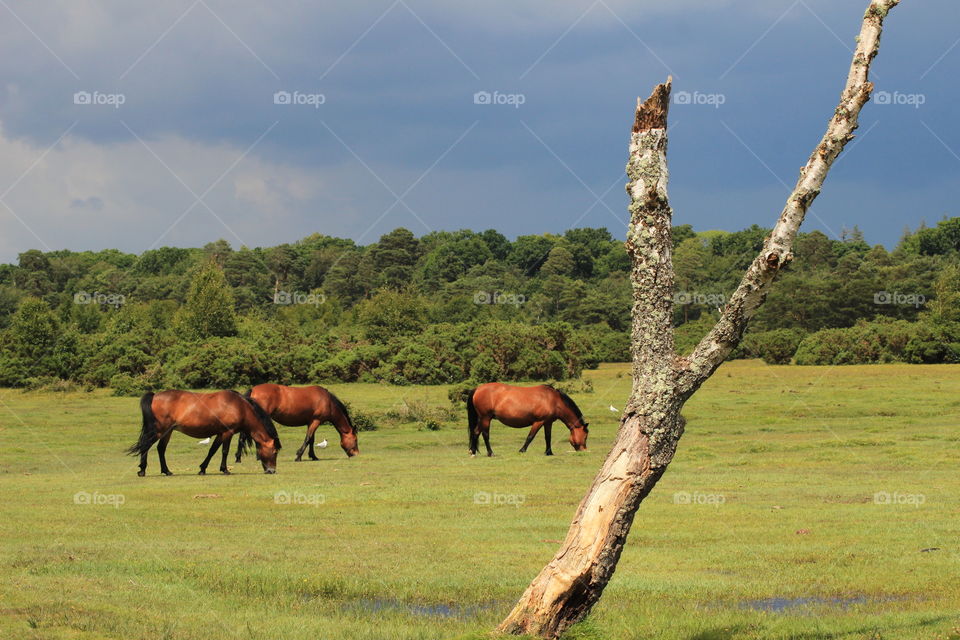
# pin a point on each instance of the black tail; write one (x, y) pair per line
(243, 445)
(148, 433)
(264, 420)
(471, 417)
(343, 409)
(245, 441)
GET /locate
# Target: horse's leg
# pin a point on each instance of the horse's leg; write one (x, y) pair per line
(213, 450)
(308, 441)
(143, 464)
(485, 431)
(475, 439)
(533, 432)
(240, 448)
(162, 452)
(547, 429)
(227, 438)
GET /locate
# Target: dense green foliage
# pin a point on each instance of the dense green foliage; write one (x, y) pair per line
(452, 307)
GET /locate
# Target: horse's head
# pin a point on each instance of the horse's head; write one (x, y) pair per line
(348, 442)
(578, 435)
(267, 455)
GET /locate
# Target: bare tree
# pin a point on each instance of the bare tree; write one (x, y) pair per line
(651, 425)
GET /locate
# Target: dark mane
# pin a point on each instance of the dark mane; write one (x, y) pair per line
(567, 400)
(343, 408)
(265, 420)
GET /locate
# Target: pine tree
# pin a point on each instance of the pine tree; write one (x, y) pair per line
(209, 309)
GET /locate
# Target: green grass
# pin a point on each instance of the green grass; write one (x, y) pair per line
(783, 537)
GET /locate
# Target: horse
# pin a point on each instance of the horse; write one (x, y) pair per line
(310, 406)
(204, 415)
(521, 407)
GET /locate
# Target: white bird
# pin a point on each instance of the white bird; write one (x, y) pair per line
(204, 441)
(613, 408)
(322, 445)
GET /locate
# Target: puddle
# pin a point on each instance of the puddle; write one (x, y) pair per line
(783, 605)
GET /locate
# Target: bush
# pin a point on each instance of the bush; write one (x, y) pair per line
(773, 347)
(124, 384)
(879, 341)
(362, 421)
(457, 394)
(934, 343)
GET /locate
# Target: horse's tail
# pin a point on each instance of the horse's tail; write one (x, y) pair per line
(472, 417)
(265, 420)
(243, 445)
(148, 432)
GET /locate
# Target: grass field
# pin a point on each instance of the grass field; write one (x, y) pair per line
(803, 503)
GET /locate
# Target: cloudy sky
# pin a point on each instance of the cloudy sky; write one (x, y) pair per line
(136, 125)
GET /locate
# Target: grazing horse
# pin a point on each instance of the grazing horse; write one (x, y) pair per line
(205, 415)
(310, 406)
(521, 407)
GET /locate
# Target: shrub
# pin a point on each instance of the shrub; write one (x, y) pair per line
(865, 343)
(773, 347)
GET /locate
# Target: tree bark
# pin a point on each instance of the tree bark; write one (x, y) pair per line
(651, 426)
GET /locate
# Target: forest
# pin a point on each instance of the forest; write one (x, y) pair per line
(453, 307)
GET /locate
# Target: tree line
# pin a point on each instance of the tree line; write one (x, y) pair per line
(453, 307)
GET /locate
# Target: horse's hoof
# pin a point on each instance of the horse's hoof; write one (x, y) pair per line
(298, 460)
(225, 472)
(168, 473)
(549, 453)
(141, 473)
(202, 473)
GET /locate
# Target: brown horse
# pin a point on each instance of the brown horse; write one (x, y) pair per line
(310, 406)
(520, 407)
(205, 415)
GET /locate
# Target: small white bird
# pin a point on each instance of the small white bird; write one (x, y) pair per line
(613, 408)
(322, 445)
(204, 441)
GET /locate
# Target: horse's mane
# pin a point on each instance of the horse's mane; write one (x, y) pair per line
(264, 418)
(343, 408)
(567, 400)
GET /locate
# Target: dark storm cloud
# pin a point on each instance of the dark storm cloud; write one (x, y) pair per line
(398, 117)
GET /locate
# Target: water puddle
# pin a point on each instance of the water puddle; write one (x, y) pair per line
(786, 605)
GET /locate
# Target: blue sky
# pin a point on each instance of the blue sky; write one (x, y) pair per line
(199, 150)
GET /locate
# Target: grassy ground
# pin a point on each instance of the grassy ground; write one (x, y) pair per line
(803, 503)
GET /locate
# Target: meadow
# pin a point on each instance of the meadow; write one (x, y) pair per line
(804, 503)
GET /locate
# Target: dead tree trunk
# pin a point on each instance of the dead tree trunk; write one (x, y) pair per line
(568, 587)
